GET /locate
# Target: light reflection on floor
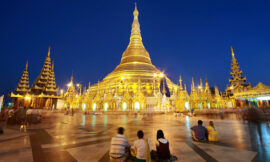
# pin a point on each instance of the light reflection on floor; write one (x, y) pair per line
(234, 133)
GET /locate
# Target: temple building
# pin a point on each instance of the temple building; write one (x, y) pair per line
(42, 94)
(137, 85)
(258, 96)
(241, 93)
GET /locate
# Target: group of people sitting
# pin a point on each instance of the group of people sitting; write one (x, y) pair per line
(121, 150)
(200, 133)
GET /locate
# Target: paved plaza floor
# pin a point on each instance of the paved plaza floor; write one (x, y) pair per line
(87, 138)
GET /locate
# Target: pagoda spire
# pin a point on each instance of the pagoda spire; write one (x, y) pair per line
(49, 51)
(135, 37)
(71, 88)
(51, 85)
(180, 83)
(237, 82)
(207, 88)
(40, 83)
(23, 85)
(192, 85)
(26, 66)
(135, 52)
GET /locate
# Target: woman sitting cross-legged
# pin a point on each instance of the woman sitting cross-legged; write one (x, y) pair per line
(163, 152)
(212, 132)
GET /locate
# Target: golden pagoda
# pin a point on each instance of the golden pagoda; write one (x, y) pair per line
(23, 85)
(42, 94)
(134, 83)
(72, 97)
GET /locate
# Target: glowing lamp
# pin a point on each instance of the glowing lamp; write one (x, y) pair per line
(27, 97)
(124, 106)
(106, 106)
(94, 106)
(83, 106)
(137, 105)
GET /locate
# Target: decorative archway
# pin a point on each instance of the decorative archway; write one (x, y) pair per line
(137, 106)
(106, 106)
(94, 106)
(124, 106)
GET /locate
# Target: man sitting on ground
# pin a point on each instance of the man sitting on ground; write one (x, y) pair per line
(119, 147)
(199, 132)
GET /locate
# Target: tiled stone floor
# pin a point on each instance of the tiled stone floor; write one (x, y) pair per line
(87, 138)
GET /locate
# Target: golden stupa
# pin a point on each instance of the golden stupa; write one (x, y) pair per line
(134, 85)
(134, 74)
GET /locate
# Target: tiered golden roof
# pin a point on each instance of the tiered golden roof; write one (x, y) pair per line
(51, 85)
(23, 85)
(40, 84)
(237, 82)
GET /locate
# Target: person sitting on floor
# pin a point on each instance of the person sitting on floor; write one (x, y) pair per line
(212, 133)
(119, 147)
(139, 148)
(162, 152)
(199, 132)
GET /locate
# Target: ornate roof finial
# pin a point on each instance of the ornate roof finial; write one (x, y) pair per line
(180, 82)
(136, 12)
(49, 51)
(192, 84)
(232, 52)
(135, 37)
(26, 66)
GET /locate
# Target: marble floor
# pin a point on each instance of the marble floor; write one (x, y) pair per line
(87, 138)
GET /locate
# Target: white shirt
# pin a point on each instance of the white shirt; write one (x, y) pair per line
(139, 147)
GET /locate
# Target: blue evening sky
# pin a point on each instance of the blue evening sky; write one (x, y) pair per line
(187, 37)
